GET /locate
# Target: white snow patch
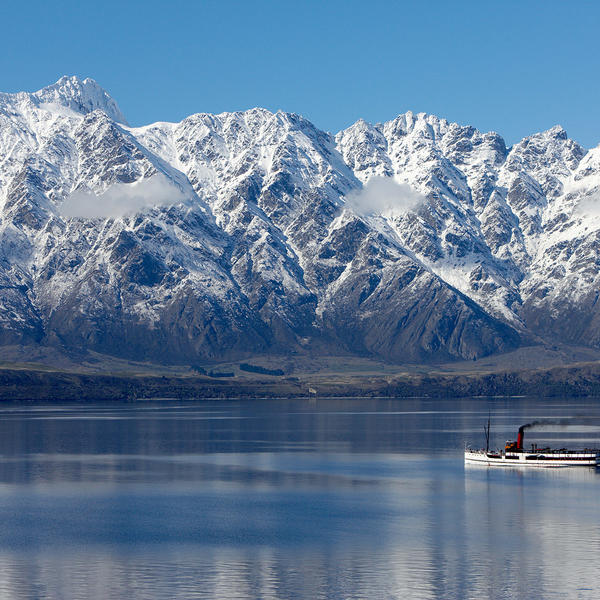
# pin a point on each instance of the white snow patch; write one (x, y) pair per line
(588, 190)
(59, 109)
(589, 206)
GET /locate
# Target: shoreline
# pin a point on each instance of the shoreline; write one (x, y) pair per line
(33, 385)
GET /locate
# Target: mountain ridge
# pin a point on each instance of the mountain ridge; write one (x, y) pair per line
(267, 254)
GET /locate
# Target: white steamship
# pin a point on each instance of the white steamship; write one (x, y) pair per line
(514, 454)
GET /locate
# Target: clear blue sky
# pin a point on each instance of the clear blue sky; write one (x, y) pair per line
(515, 67)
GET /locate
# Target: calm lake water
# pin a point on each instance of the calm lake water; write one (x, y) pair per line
(335, 499)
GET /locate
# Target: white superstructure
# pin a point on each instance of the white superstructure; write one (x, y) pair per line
(537, 458)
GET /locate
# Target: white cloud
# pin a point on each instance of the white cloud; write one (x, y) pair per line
(383, 195)
(122, 199)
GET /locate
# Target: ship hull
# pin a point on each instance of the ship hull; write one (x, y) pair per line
(533, 459)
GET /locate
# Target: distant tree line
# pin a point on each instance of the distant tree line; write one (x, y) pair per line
(261, 370)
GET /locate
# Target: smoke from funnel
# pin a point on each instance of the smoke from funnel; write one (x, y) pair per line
(541, 424)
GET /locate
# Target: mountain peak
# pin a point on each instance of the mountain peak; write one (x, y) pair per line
(80, 95)
(557, 132)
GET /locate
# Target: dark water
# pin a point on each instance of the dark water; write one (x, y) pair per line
(291, 499)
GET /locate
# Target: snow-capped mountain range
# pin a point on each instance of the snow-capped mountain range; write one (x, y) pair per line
(255, 232)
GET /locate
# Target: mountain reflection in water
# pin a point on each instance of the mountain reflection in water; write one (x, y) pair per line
(290, 499)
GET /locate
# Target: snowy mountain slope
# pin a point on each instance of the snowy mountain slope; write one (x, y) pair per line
(238, 233)
(487, 208)
(276, 185)
(95, 282)
(562, 288)
(454, 168)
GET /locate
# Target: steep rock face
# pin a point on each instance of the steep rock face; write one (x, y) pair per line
(458, 228)
(251, 245)
(276, 185)
(148, 285)
(561, 291)
(514, 230)
(386, 303)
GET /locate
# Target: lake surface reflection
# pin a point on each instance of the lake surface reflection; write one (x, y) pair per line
(292, 499)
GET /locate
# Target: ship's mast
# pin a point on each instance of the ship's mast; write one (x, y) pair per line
(487, 435)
